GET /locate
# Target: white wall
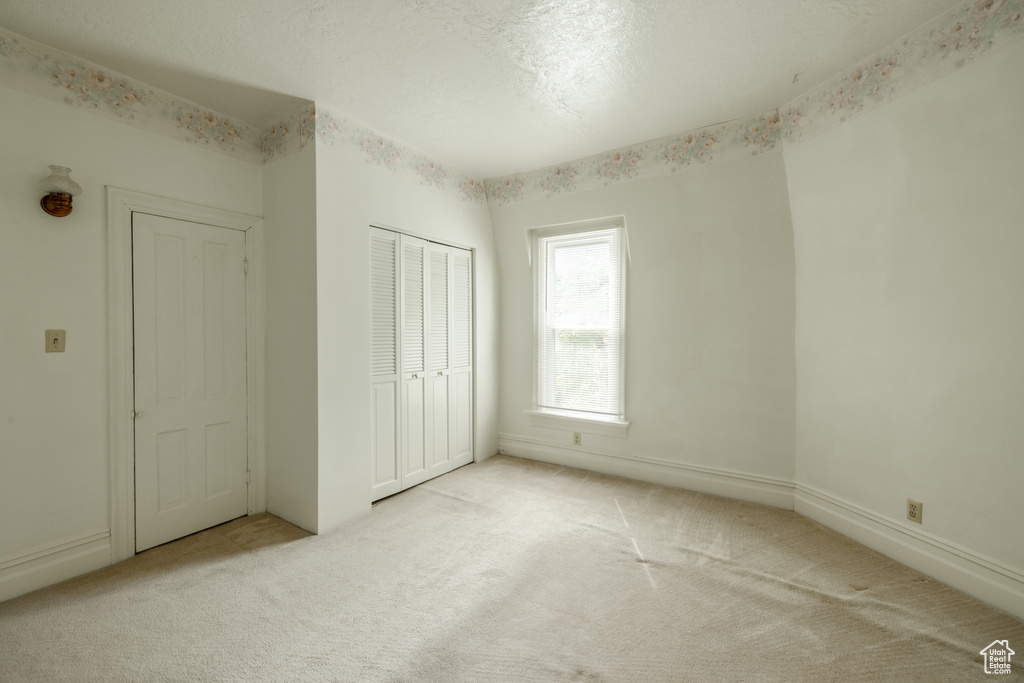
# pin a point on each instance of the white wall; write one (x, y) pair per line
(54, 459)
(910, 308)
(351, 196)
(710, 316)
(289, 202)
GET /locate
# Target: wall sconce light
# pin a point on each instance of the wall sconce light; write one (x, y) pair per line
(59, 189)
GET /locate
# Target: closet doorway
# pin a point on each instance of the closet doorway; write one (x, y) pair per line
(186, 359)
(422, 352)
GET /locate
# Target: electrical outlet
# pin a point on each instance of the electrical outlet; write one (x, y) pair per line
(577, 439)
(915, 510)
(54, 341)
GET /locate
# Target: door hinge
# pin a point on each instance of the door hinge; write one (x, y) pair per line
(248, 475)
(135, 414)
(245, 266)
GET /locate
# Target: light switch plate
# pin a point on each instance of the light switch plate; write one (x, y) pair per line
(55, 341)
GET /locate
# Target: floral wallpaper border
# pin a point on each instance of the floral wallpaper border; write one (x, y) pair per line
(377, 150)
(950, 42)
(753, 135)
(946, 44)
(57, 76)
(289, 135)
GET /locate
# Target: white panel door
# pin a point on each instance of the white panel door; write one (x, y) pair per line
(190, 377)
(385, 352)
(461, 349)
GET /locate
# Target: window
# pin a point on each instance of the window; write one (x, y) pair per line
(580, 300)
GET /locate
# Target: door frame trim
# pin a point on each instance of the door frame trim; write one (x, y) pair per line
(121, 343)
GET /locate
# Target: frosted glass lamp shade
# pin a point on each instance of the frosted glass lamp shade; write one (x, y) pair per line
(59, 189)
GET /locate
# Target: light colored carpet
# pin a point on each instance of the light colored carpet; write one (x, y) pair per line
(509, 570)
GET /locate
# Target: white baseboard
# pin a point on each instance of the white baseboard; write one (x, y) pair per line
(982, 577)
(44, 565)
(739, 485)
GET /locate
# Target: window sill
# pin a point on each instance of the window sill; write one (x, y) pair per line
(575, 423)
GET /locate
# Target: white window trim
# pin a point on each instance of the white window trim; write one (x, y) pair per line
(582, 422)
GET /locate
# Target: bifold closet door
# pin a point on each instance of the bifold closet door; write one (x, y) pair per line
(421, 314)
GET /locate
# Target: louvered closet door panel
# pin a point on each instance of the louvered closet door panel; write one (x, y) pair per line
(416, 420)
(438, 308)
(414, 277)
(414, 432)
(384, 302)
(385, 354)
(461, 347)
(438, 375)
(384, 439)
(462, 309)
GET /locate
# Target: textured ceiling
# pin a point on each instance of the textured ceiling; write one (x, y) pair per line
(490, 87)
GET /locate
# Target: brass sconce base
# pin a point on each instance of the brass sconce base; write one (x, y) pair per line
(56, 204)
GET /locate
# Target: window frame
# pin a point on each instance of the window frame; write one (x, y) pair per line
(580, 421)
